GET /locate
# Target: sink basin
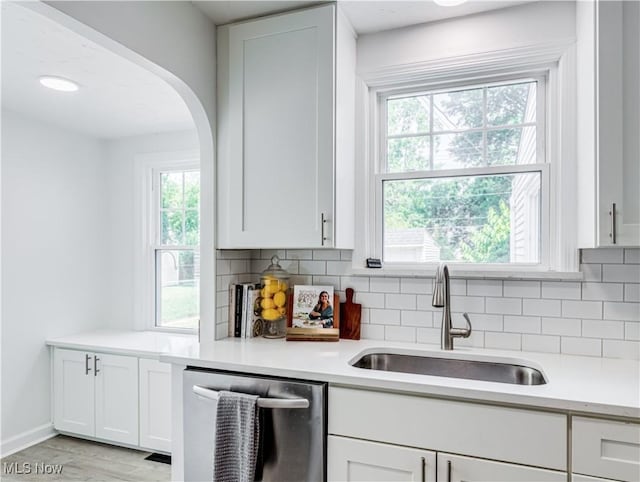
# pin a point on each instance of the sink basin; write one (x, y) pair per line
(489, 371)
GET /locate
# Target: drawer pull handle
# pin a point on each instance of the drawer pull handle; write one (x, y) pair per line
(87, 369)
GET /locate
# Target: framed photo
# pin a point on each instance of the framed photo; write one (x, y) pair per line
(315, 314)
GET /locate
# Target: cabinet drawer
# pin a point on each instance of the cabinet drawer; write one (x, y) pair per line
(605, 448)
(501, 433)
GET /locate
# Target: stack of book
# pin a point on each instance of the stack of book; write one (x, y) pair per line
(243, 320)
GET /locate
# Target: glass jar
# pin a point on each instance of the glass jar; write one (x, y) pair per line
(274, 298)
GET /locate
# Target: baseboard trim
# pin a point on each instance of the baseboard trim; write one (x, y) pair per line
(27, 439)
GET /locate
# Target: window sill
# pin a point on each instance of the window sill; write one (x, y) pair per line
(520, 274)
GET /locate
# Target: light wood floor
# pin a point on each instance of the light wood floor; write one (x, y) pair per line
(82, 460)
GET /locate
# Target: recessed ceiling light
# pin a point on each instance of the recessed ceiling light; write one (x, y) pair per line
(58, 83)
(449, 3)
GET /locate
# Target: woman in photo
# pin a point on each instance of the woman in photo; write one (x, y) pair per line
(323, 310)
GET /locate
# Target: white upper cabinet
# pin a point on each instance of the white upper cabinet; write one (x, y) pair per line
(285, 131)
(608, 123)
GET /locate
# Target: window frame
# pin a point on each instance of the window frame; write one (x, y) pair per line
(149, 167)
(379, 97)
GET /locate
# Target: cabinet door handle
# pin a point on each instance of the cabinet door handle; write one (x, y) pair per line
(612, 218)
(95, 366)
(87, 369)
(424, 470)
(323, 221)
(448, 470)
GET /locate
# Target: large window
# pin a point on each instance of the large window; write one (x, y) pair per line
(175, 248)
(462, 174)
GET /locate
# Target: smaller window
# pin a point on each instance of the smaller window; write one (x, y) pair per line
(175, 249)
(461, 174)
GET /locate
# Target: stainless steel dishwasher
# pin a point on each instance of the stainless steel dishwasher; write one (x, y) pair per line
(293, 424)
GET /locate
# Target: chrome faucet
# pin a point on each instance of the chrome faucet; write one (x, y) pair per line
(442, 299)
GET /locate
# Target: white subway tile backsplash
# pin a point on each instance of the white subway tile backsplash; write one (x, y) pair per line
(370, 300)
(312, 267)
(632, 292)
(326, 254)
(522, 324)
(416, 318)
(632, 330)
(503, 341)
(622, 311)
(384, 317)
(603, 329)
(484, 287)
(541, 343)
(632, 256)
(328, 281)
(299, 254)
(385, 285)
(591, 272)
(522, 289)
(625, 273)
(338, 267)
(561, 326)
(424, 302)
(400, 333)
(602, 291)
(599, 316)
(609, 255)
(428, 335)
(629, 350)
(581, 346)
(400, 302)
(356, 283)
(416, 286)
(506, 306)
(372, 332)
(561, 290)
(470, 304)
(482, 322)
(541, 307)
(458, 287)
(582, 309)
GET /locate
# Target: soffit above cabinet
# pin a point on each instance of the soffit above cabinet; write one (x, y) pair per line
(366, 16)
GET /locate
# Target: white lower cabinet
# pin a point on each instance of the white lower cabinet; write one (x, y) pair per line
(96, 395)
(456, 468)
(384, 436)
(115, 398)
(155, 405)
(363, 461)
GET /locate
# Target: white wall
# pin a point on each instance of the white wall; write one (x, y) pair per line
(178, 42)
(123, 224)
(525, 25)
(54, 243)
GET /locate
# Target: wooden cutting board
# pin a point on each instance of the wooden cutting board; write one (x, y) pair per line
(350, 313)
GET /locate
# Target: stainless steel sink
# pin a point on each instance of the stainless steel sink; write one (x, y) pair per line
(489, 371)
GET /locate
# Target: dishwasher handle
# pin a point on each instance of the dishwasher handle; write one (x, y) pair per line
(262, 402)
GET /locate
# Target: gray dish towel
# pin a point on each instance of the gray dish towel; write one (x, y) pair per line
(237, 437)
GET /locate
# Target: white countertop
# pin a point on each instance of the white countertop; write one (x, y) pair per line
(145, 344)
(599, 386)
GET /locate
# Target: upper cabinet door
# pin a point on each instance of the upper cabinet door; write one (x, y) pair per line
(276, 101)
(618, 122)
(608, 123)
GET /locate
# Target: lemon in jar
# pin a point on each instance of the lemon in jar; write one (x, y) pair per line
(280, 299)
(270, 314)
(267, 303)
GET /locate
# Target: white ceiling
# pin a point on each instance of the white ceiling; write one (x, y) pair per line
(116, 98)
(366, 16)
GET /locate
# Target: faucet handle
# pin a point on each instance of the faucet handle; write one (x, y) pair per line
(462, 332)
